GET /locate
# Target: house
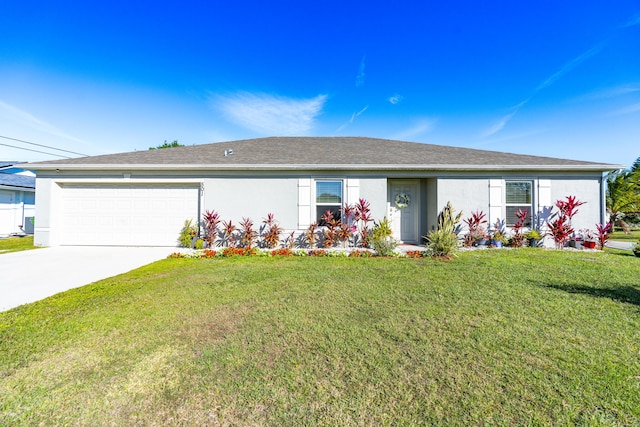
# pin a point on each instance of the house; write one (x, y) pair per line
(143, 198)
(17, 199)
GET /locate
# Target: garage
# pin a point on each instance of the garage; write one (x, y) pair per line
(126, 215)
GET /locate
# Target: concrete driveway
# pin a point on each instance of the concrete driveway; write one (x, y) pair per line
(619, 244)
(32, 275)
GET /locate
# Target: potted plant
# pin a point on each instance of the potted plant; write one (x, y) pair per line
(589, 238)
(477, 235)
(532, 236)
(498, 235)
(498, 239)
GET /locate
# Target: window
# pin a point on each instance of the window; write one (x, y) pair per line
(518, 196)
(328, 198)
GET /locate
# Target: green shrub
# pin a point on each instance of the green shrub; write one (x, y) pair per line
(199, 244)
(188, 232)
(381, 238)
(443, 242)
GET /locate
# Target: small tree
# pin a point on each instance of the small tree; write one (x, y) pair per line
(166, 144)
(623, 195)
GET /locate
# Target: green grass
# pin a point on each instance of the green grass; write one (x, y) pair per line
(509, 337)
(15, 244)
(620, 235)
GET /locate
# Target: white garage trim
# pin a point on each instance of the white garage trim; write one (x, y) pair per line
(126, 214)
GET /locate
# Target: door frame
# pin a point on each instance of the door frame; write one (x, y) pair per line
(415, 183)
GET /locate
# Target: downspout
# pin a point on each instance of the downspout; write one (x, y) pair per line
(603, 200)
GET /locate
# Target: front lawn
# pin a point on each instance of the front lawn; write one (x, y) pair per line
(620, 235)
(504, 337)
(15, 244)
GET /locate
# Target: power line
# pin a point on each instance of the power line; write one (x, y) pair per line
(45, 146)
(35, 151)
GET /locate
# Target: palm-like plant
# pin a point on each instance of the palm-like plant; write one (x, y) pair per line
(623, 196)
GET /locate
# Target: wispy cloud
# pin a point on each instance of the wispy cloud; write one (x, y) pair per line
(511, 137)
(396, 98)
(418, 128)
(569, 66)
(361, 74)
(626, 110)
(15, 114)
(269, 113)
(635, 20)
(351, 120)
(613, 92)
(502, 122)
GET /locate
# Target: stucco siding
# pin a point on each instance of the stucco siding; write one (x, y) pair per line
(586, 190)
(465, 194)
(235, 198)
(374, 190)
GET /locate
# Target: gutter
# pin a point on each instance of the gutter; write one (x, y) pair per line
(595, 167)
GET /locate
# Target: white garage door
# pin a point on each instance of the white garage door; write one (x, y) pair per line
(127, 215)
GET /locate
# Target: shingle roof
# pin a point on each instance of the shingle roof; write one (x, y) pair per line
(316, 153)
(13, 180)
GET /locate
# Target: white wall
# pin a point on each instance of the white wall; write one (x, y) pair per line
(469, 194)
(465, 194)
(15, 207)
(254, 198)
(586, 190)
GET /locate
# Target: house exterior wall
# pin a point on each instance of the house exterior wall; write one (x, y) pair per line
(254, 197)
(16, 211)
(468, 194)
(236, 197)
(290, 195)
(586, 190)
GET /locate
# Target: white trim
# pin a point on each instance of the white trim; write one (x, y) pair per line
(496, 200)
(353, 191)
(304, 202)
(596, 167)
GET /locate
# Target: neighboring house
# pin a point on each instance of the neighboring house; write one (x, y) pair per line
(143, 198)
(17, 199)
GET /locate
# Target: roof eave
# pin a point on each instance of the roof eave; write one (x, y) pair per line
(595, 167)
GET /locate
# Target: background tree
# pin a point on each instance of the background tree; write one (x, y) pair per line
(166, 144)
(623, 195)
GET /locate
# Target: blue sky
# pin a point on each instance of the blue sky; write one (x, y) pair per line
(559, 79)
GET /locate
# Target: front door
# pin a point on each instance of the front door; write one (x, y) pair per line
(403, 204)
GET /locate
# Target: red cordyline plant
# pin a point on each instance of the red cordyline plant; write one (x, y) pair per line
(331, 231)
(362, 217)
(229, 233)
(248, 233)
(569, 207)
(560, 228)
(518, 237)
(271, 231)
(476, 230)
(310, 234)
(210, 220)
(290, 241)
(603, 233)
(348, 225)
